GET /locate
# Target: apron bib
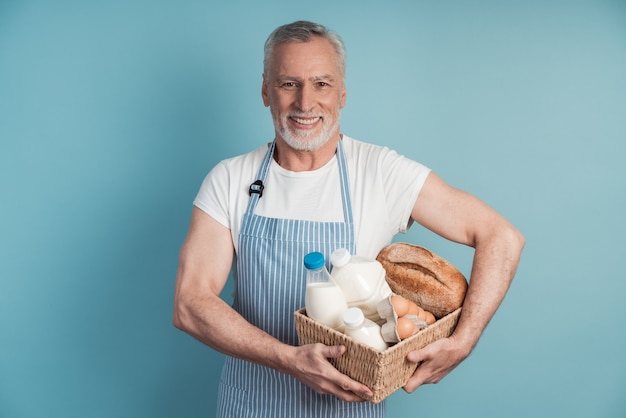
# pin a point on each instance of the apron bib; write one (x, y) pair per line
(270, 288)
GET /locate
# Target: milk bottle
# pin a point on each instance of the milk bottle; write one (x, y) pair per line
(362, 329)
(362, 281)
(324, 300)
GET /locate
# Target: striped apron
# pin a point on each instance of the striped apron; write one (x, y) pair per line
(270, 288)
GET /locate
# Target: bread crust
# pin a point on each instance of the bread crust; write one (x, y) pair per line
(422, 276)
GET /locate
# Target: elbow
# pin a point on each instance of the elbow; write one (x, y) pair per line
(518, 241)
(181, 315)
(514, 241)
(522, 241)
(177, 317)
(504, 235)
(191, 308)
(185, 294)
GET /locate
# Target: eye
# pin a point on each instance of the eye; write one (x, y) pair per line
(322, 84)
(289, 85)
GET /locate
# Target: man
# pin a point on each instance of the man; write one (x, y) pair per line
(314, 189)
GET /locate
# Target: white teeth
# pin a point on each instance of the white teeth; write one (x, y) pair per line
(306, 121)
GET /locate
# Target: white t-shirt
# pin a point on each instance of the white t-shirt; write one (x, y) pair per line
(383, 185)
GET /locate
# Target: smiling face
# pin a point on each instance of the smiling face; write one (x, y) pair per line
(305, 91)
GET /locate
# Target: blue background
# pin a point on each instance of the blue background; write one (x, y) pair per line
(112, 112)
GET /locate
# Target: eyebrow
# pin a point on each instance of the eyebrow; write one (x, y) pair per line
(325, 77)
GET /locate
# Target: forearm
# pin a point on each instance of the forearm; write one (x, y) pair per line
(496, 258)
(204, 265)
(213, 322)
(461, 217)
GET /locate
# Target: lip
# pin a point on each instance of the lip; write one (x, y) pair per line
(305, 122)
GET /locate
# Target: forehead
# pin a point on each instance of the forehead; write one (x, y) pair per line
(315, 57)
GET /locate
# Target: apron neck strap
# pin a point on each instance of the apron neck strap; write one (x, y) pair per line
(256, 188)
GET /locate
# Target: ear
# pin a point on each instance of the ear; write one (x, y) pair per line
(344, 93)
(265, 92)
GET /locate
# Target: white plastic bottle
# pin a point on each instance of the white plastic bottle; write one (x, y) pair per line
(362, 329)
(324, 300)
(362, 281)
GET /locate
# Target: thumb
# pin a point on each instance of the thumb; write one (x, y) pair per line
(417, 356)
(334, 351)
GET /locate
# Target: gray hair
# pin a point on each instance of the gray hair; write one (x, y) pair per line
(303, 31)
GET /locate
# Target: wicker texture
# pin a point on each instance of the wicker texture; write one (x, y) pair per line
(382, 371)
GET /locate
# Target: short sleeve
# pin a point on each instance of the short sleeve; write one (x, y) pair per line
(403, 180)
(212, 198)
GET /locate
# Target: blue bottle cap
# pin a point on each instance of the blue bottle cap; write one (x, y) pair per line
(314, 260)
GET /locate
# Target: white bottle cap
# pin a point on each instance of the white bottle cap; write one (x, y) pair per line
(353, 318)
(340, 257)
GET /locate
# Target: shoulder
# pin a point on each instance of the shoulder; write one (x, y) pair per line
(368, 154)
(240, 167)
(226, 186)
(249, 160)
(355, 146)
(363, 153)
(233, 173)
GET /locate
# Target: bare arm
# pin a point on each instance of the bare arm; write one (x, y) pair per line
(463, 218)
(204, 264)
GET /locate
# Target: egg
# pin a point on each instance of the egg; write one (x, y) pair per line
(400, 305)
(413, 308)
(422, 315)
(430, 318)
(405, 328)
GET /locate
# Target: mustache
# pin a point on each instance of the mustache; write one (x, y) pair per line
(304, 115)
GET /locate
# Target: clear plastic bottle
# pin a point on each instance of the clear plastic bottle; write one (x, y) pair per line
(324, 300)
(362, 329)
(362, 281)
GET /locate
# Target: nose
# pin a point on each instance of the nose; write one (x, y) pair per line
(305, 98)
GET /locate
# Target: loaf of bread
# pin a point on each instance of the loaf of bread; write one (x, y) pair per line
(423, 277)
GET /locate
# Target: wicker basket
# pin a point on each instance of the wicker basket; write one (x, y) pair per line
(382, 371)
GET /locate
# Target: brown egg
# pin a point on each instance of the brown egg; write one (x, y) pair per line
(400, 305)
(413, 308)
(405, 328)
(422, 315)
(430, 318)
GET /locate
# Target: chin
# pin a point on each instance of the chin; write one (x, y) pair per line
(303, 142)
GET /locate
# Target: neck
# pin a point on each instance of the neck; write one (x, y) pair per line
(295, 160)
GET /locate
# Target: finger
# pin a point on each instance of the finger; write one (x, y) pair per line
(414, 381)
(418, 356)
(344, 383)
(345, 388)
(351, 390)
(355, 387)
(414, 356)
(420, 375)
(334, 351)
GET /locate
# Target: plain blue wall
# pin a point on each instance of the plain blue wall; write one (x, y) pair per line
(112, 112)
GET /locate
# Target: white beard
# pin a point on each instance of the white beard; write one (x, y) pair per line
(305, 140)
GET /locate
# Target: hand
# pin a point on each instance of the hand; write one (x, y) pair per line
(437, 360)
(312, 368)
